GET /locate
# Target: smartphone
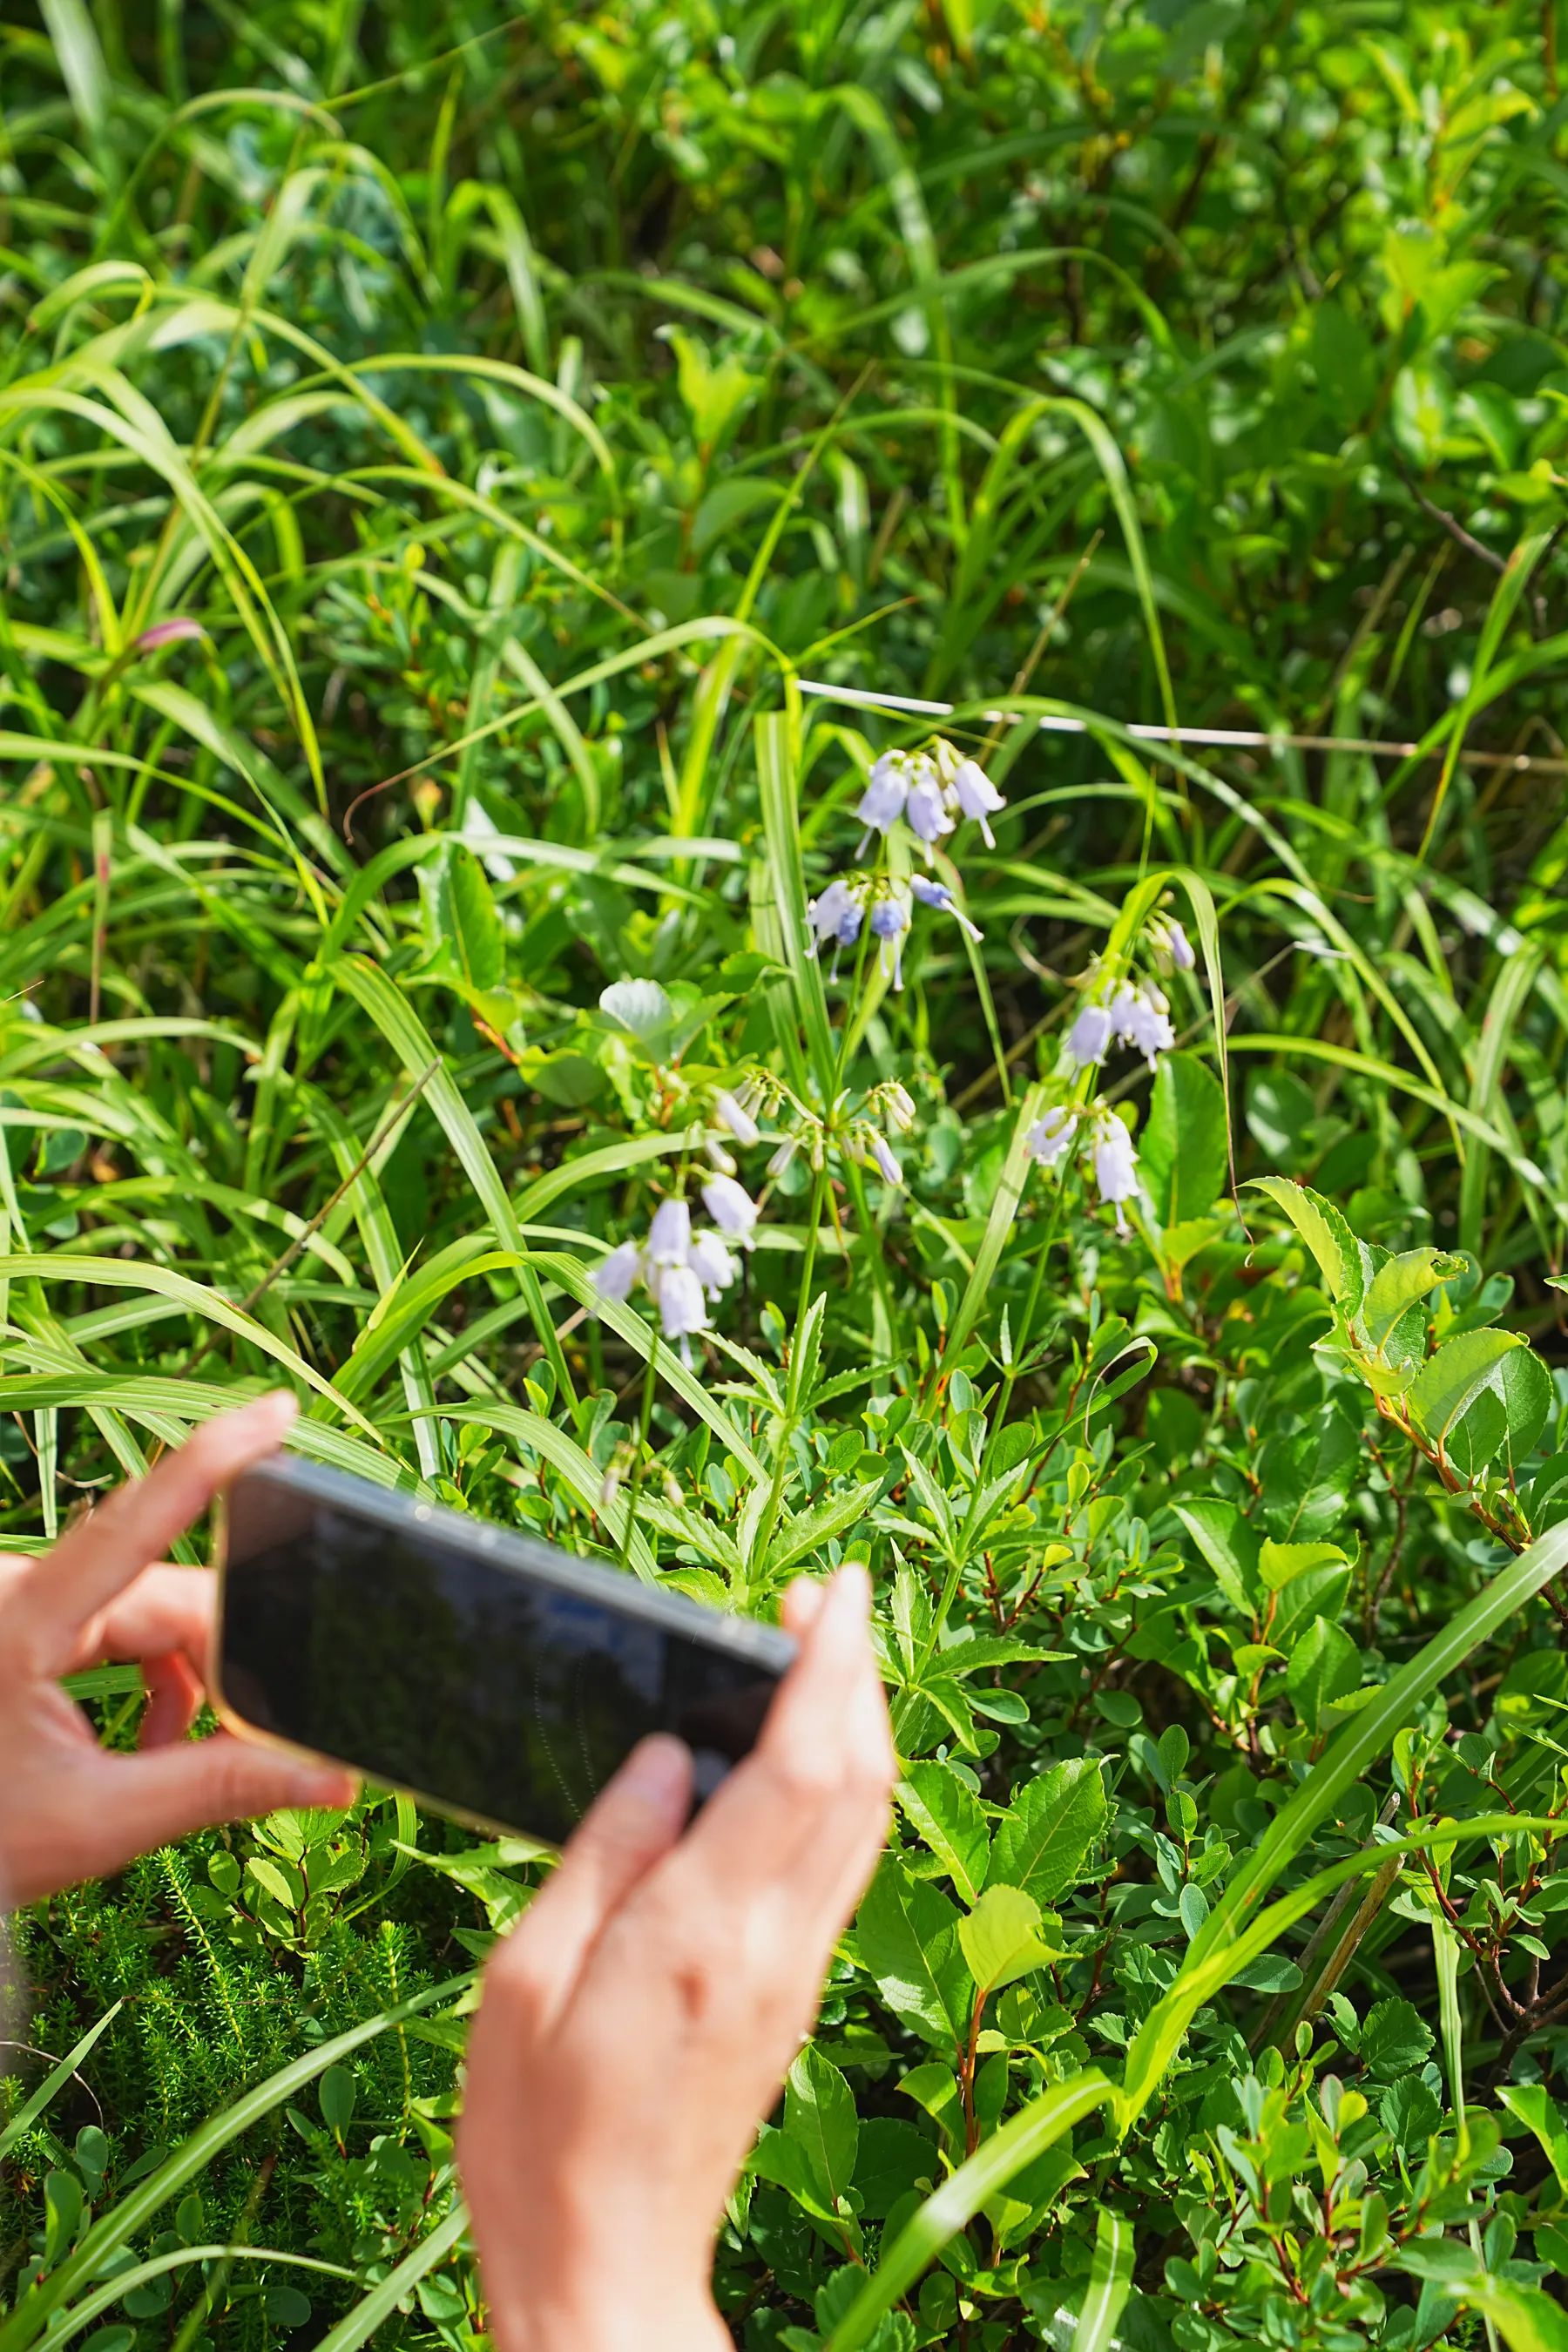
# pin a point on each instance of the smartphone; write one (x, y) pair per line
(485, 1674)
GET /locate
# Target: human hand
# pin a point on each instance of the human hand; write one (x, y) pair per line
(69, 1808)
(637, 2025)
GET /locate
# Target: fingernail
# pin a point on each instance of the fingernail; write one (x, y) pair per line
(659, 1771)
(331, 1793)
(267, 1415)
(849, 1593)
(805, 1596)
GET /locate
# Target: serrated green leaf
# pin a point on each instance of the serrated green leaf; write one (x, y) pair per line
(1041, 1843)
(946, 1813)
(1326, 1235)
(1398, 1284)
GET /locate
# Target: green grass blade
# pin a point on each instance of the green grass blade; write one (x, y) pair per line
(25, 2116)
(360, 2325)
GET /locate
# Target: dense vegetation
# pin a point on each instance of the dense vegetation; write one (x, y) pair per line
(435, 447)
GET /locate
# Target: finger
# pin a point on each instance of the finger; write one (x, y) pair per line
(821, 1770)
(107, 1551)
(632, 1825)
(173, 1700)
(145, 1802)
(166, 1609)
(801, 1601)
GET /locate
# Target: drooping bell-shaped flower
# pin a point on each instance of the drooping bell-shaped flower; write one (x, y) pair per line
(1178, 947)
(882, 802)
(1050, 1140)
(614, 1276)
(711, 1264)
(836, 915)
(977, 796)
(931, 893)
(925, 810)
(669, 1235)
(1089, 1039)
(1114, 1163)
(890, 920)
(730, 1205)
(900, 1107)
(736, 1117)
(887, 1166)
(1141, 1021)
(677, 1292)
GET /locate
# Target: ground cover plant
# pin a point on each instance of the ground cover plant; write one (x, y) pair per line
(444, 457)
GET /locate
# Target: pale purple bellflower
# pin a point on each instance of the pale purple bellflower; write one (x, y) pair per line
(936, 894)
(1050, 1140)
(1114, 1163)
(890, 920)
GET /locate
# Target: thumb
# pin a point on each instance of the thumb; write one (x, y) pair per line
(149, 1799)
(632, 1825)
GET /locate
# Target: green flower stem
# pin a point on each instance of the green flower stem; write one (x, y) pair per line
(650, 1375)
(791, 1394)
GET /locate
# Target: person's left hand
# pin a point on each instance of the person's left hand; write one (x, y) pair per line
(68, 1808)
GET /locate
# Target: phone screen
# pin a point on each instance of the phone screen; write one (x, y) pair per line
(488, 1672)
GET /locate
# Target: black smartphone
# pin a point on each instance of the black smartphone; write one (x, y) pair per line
(486, 1673)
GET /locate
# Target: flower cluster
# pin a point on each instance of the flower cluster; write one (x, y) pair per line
(931, 790)
(1135, 1013)
(680, 1270)
(851, 899)
(1106, 1146)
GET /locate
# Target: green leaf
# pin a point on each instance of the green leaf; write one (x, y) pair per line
(894, 2157)
(907, 1935)
(1181, 1152)
(1343, 363)
(336, 2093)
(640, 1007)
(1534, 2106)
(1004, 1938)
(1325, 1666)
(1042, 1840)
(1526, 2317)
(28, 2115)
(1482, 1391)
(946, 1813)
(1228, 1542)
(1326, 1235)
(1398, 1284)
(1110, 2282)
(462, 926)
(819, 2117)
(1395, 2040)
(1280, 1563)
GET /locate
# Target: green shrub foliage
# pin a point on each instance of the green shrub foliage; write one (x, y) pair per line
(443, 456)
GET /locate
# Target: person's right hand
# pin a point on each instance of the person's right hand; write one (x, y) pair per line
(637, 2025)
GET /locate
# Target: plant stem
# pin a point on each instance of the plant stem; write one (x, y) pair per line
(649, 1379)
(791, 1394)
